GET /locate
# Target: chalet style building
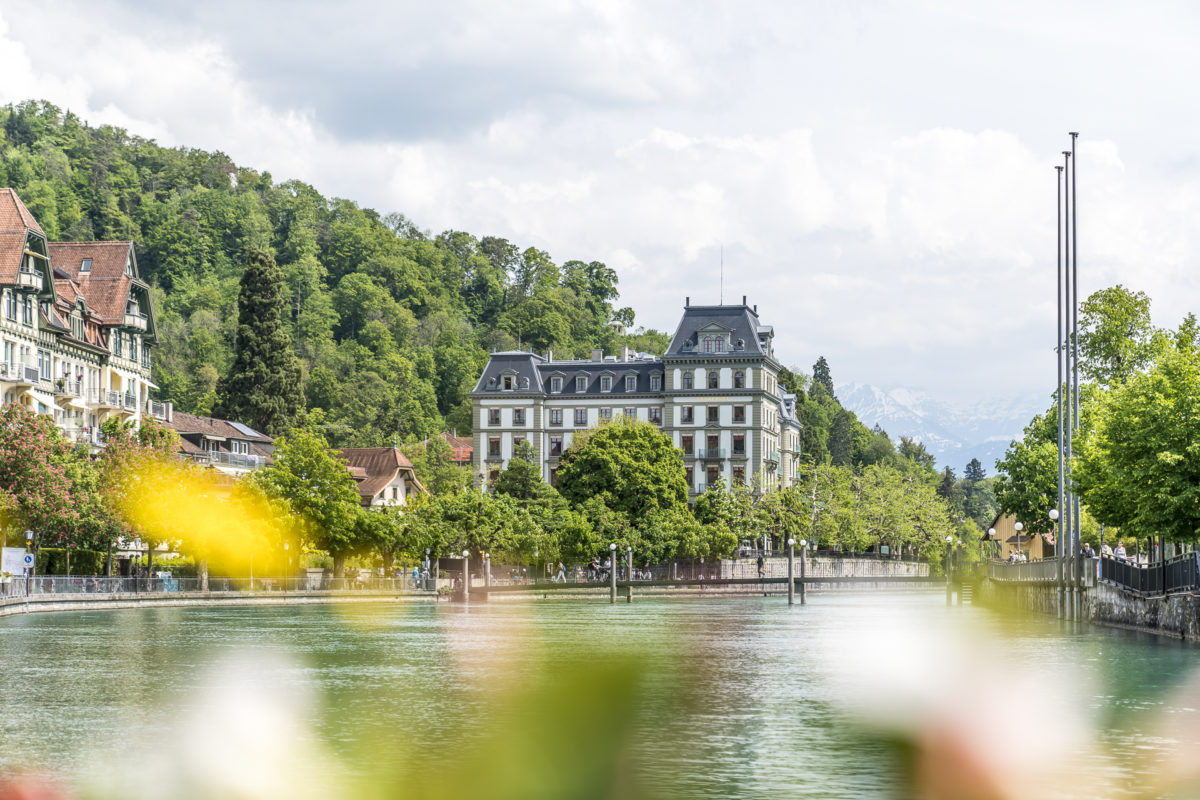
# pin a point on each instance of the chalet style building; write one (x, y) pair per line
(715, 392)
(384, 475)
(229, 447)
(76, 327)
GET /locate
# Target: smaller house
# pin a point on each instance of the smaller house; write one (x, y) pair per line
(461, 447)
(1007, 540)
(385, 477)
(230, 447)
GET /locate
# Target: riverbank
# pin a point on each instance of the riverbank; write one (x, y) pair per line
(46, 603)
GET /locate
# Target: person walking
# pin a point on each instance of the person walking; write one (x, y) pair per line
(1119, 553)
(561, 577)
(761, 572)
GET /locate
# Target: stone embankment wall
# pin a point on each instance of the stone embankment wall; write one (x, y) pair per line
(826, 567)
(1175, 615)
(98, 602)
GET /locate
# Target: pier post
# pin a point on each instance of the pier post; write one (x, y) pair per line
(612, 573)
(791, 543)
(949, 586)
(466, 576)
(629, 573)
(803, 558)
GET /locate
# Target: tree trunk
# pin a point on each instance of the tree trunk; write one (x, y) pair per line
(202, 574)
(339, 565)
(108, 562)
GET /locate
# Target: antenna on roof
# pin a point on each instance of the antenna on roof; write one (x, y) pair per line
(722, 300)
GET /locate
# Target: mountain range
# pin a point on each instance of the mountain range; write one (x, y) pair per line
(953, 432)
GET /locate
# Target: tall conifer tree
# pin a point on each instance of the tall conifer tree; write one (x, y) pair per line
(262, 388)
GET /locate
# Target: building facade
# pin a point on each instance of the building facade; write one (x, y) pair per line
(76, 327)
(715, 392)
(226, 446)
(385, 477)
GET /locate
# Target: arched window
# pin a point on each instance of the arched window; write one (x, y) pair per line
(713, 379)
(739, 379)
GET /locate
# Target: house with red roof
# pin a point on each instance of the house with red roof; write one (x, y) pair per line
(385, 477)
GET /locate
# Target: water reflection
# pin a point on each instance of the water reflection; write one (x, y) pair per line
(729, 698)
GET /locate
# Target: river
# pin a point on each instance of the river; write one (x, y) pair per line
(703, 697)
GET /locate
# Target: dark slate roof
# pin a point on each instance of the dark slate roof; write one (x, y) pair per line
(740, 320)
(592, 370)
(520, 364)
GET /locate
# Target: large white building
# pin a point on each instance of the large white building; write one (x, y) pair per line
(715, 392)
(76, 327)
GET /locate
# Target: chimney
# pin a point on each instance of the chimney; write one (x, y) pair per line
(549, 356)
(624, 352)
(743, 299)
(597, 354)
(756, 308)
(687, 301)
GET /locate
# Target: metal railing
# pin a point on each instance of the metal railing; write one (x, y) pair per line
(156, 409)
(65, 387)
(37, 585)
(221, 457)
(1181, 573)
(130, 402)
(1044, 571)
(712, 452)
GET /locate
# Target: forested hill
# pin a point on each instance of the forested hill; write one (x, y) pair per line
(392, 324)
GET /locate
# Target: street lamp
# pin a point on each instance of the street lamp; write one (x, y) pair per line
(1018, 527)
(612, 573)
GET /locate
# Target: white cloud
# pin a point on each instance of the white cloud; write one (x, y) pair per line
(879, 178)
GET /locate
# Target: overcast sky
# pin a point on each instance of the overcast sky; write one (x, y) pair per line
(880, 175)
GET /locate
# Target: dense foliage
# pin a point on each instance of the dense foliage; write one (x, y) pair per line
(391, 325)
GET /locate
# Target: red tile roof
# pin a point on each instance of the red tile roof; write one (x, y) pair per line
(105, 286)
(382, 465)
(14, 216)
(184, 423)
(461, 446)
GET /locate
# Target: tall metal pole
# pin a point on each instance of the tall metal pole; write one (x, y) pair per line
(612, 573)
(1069, 519)
(1059, 543)
(791, 564)
(629, 572)
(1075, 541)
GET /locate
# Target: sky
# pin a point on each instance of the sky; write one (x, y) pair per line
(878, 176)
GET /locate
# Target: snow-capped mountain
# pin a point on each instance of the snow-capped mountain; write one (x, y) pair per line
(954, 433)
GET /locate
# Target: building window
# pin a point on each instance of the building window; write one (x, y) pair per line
(689, 474)
(493, 416)
(517, 439)
(656, 383)
(606, 383)
(631, 383)
(656, 415)
(713, 344)
(739, 379)
(739, 413)
(493, 447)
(739, 444)
(739, 475)
(712, 475)
(27, 311)
(688, 380)
(508, 383)
(631, 413)
(581, 384)
(556, 446)
(606, 415)
(554, 476)
(713, 379)
(687, 444)
(713, 414)
(518, 416)
(580, 417)
(555, 385)
(687, 414)
(86, 266)
(10, 304)
(712, 444)
(556, 417)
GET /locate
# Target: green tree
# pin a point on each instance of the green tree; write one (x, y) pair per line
(822, 379)
(522, 478)
(317, 486)
(262, 388)
(633, 467)
(1116, 338)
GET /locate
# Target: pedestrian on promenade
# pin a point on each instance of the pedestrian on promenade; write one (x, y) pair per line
(1088, 552)
(1119, 553)
(761, 572)
(561, 577)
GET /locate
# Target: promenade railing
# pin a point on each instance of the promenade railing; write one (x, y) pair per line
(1043, 571)
(1178, 574)
(20, 586)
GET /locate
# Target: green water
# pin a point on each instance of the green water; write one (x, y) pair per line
(734, 697)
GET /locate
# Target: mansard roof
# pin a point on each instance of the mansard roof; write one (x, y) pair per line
(513, 362)
(741, 321)
(105, 285)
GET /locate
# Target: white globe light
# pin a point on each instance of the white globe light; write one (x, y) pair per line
(791, 542)
(466, 553)
(949, 539)
(804, 542)
(991, 531)
(612, 546)
(1018, 526)
(1054, 515)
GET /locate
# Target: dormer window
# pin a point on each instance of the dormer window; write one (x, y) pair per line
(606, 383)
(85, 265)
(656, 383)
(631, 383)
(555, 385)
(508, 383)
(714, 344)
(581, 384)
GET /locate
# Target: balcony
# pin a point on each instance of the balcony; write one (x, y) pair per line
(157, 410)
(228, 459)
(700, 489)
(771, 457)
(712, 452)
(134, 320)
(20, 374)
(109, 399)
(29, 280)
(64, 387)
(129, 402)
